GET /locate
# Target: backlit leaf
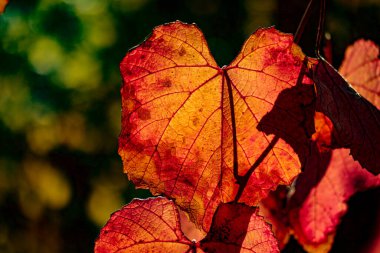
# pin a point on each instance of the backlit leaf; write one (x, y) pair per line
(273, 209)
(3, 4)
(150, 225)
(323, 131)
(153, 225)
(332, 177)
(238, 228)
(201, 134)
(361, 68)
(315, 220)
(356, 122)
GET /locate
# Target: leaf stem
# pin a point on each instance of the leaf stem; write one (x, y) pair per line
(321, 23)
(303, 22)
(320, 29)
(233, 122)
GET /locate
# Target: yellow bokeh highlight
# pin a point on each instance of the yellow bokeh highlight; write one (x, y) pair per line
(42, 186)
(104, 200)
(16, 110)
(260, 14)
(45, 55)
(69, 129)
(17, 38)
(43, 136)
(80, 71)
(100, 33)
(88, 7)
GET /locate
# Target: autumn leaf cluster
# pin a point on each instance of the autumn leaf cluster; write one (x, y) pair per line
(217, 143)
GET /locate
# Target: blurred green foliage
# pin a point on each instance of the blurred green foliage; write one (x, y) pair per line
(60, 175)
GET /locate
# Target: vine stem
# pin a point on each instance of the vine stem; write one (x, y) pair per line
(303, 22)
(321, 23)
(320, 29)
(244, 179)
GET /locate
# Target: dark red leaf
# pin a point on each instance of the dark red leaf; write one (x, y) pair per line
(238, 228)
(273, 209)
(356, 122)
(332, 177)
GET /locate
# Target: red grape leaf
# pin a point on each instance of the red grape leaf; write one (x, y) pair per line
(319, 202)
(150, 225)
(361, 68)
(319, 214)
(280, 208)
(3, 4)
(331, 178)
(201, 134)
(356, 121)
(273, 209)
(238, 228)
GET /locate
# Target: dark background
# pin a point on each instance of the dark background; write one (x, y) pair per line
(60, 175)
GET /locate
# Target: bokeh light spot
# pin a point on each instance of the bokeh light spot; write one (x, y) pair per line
(104, 200)
(42, 186)
(45, 55)
(80, 71)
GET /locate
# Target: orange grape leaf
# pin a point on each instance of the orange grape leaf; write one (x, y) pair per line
(153, 225)
(323, 131)
(314, 221)
(3, 4)
(201, 134)
(238, 228)
(361, 68)
(356, 122)
(150, 225)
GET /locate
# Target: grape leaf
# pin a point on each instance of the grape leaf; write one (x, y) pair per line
(332, 177)
(3, 4)
(356, 122)
(280, 208)
(190, 230)
(152, 225)
(273, 209)
(201, 134)
(238, 228)
(319, 202)
(316, 219)
(361, 68)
